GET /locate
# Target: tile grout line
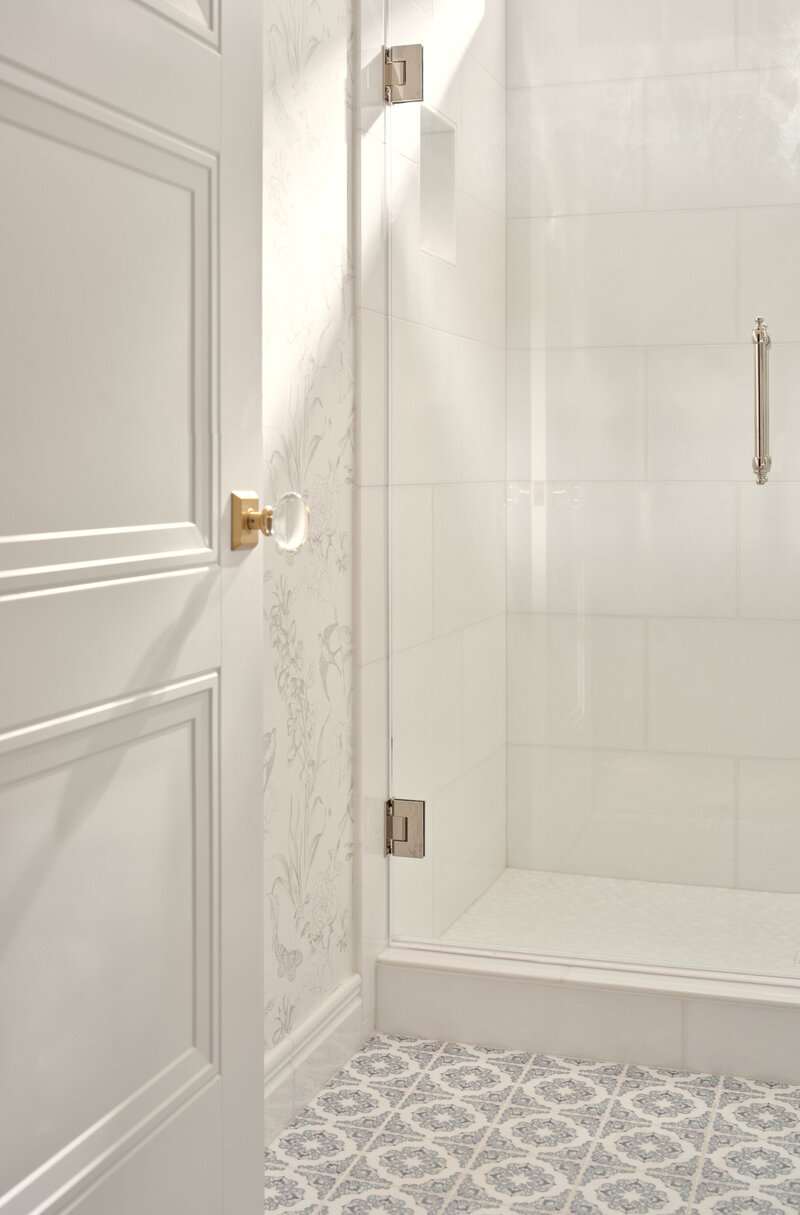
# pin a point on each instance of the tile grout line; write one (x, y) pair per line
(423, 1138)
(704, 1150)
(501, 1107)
(595, 1141)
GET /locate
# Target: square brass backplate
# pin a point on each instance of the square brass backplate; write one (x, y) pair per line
(241, 535)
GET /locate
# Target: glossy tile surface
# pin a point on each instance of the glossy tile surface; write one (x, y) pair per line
(413, 1126)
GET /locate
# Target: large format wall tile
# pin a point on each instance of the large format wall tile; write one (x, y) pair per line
(412, 565)
(466, 826)
(771, 551)
(769, 33)
(426, 420)
(573, 40)
(469, 557)
(574, 149)
(714, 141)
(769, 826)
(614, 548)
(725, 687)
(482, 165)
(659, 279)
(483, 689)
(623, 280)
(650, 817)
(769, 254)
(700, 413)
(576, 681)
(426, 721)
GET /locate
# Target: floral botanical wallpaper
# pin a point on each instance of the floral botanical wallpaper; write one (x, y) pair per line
(308, 437)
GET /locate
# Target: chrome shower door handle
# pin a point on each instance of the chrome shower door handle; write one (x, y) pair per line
(762, 461)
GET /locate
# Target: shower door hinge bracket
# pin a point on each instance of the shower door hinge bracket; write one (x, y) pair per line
(405, 828)
(402, 74)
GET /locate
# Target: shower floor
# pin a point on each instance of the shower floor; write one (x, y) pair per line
(643, 923)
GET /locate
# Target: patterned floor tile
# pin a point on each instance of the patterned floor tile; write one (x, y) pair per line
(662, 1075)
(761, 1088)
(651, 1148)
(572, 1091)
(713, 1199)
(609, 1192)
(414, 1164)
(354, 1197)
(487, 1079)
(319, 1147)
(747, 1162)
(463, 1206)
(295, 1192)
(354, 1104)
(401, 1042)
(757, 1117)
(584, 1066)
(413, 1127)
(514, 1058)
(544, 1133)
(498, 1179)
(664, 1102)
(451, 1119)
(380, 1064)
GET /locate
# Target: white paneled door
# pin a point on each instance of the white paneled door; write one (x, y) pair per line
(130, 718)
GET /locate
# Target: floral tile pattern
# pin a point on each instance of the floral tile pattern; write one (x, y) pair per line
(412, 1127)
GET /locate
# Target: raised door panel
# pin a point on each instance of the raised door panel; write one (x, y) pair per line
(99, 48)
(199, 17)
(109, 970)
(124, 179)
(108, 339)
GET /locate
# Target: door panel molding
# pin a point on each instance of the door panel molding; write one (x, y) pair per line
(183, 475)
(90, 1158)
(63, 745)
(198, 17)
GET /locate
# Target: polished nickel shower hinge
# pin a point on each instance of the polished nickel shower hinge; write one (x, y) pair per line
(402, 74)
(405, 828)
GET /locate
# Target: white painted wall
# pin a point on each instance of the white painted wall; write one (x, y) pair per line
(653, 588)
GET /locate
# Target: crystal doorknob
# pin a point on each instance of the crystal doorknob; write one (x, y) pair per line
(287, 522)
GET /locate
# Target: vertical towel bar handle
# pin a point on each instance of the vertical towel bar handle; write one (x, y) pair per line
(762, 461)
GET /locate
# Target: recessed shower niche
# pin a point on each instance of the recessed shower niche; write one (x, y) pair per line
(437, 185)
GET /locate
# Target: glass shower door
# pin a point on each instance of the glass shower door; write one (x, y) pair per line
(447, 462)
(595, 603)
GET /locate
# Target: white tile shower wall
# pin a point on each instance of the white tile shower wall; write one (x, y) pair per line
(653, 590)
(448, 467)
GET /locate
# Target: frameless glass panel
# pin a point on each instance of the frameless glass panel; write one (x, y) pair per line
(595, 604)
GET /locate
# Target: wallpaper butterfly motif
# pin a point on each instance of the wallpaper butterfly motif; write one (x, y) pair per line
(308, 446)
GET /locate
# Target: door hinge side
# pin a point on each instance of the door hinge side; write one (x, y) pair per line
(405, 828)
(403, 74)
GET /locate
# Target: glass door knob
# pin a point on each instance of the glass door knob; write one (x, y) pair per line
(286, 523)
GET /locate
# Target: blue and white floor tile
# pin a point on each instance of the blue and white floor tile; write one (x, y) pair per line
(411, 1127)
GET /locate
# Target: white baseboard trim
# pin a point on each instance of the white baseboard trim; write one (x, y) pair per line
(298, 1067)
(700, 1023)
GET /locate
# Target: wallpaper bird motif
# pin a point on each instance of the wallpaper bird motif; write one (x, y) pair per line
(308, 437)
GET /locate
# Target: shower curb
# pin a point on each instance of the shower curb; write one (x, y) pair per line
(699, 1022)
